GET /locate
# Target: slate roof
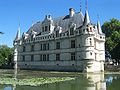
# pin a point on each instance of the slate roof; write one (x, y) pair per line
(63, 22)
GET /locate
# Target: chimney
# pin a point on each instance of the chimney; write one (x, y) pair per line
(71, 12)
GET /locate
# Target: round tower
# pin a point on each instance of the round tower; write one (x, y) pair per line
(16, 44)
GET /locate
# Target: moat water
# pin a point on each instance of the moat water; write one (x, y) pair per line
(81, 81)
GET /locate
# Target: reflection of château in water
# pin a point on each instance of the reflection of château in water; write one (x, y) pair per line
(96, 82)
(83, 82)
(68, 43)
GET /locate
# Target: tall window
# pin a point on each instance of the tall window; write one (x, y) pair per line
(72, 43)
(90, 42)
(57, 45)
(46, 28)
(44, 57)
(32, 57)
(23, 58)
(41, 57)
(32, 47)
(71, 31)
(57, 57)
(23, 48)
(47, 57)
(48, 46)
(44, 46)
(41, 47)
(72, 56)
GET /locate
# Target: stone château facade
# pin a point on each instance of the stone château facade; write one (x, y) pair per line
(68, 43)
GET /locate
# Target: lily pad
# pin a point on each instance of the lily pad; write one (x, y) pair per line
(34, 81)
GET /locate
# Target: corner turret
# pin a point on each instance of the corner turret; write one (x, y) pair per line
(86, 18)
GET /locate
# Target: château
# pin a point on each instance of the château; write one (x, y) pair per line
(68, 43)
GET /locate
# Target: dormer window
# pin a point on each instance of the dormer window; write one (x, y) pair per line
(72, 31)
(42, 29)
(57, 33)
(46, 28)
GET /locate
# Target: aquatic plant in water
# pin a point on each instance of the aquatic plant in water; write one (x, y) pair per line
(34, 81)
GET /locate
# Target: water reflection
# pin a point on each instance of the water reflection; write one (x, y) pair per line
(83, 82)
(96, 82)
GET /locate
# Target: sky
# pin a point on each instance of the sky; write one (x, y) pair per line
(23, 13)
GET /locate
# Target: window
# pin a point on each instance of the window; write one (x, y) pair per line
(48, 46)
(57, 45)
(95, 56)
(32, 57)
(40, 57)
(90, 29)
(57, 33)
(32, 47)
(46, 28)
(57, 57)
(44, 57)
(41, 47)
(23, 58)
(44, 46)
(72, 56)
(23, 48)
(90, 53)
(90, 43)
(47, 57)
(71, 31)
(72, 43)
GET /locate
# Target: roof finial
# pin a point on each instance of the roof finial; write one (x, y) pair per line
(80, 6)
(32, 22)
(98, 17)
(86, 4)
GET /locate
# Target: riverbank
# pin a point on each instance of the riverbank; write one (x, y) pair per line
(34, 73)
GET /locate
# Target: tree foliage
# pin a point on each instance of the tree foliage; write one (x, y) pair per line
(112, 31)
(6, 55)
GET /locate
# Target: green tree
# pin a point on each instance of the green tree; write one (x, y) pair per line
(110, 26)
(112, 31)
(6, 55)
(116, 52)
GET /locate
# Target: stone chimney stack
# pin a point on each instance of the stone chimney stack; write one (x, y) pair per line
(71, 12)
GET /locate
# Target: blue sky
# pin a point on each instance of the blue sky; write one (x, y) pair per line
(26, 12)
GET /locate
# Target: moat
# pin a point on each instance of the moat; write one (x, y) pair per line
(80, 82)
